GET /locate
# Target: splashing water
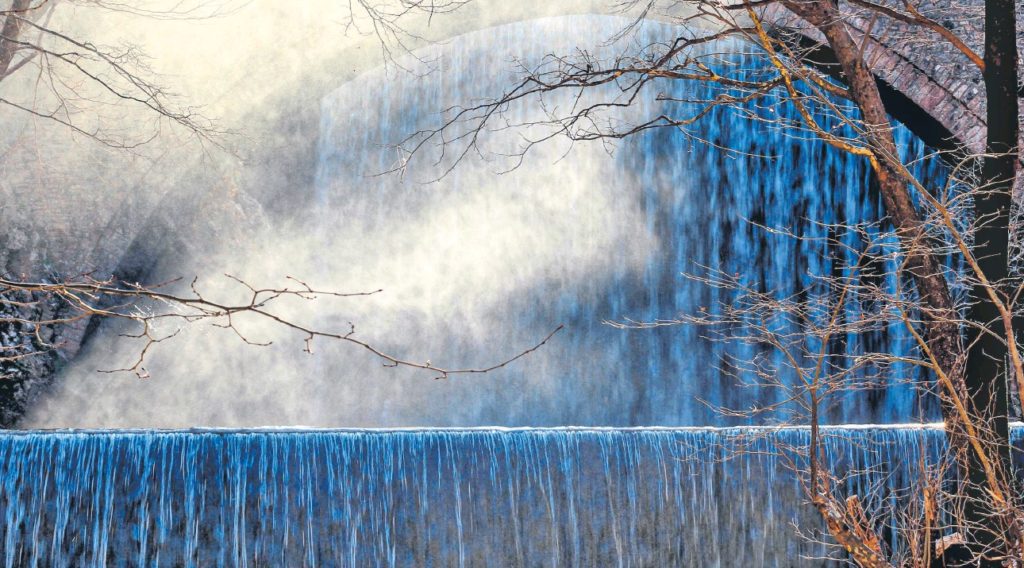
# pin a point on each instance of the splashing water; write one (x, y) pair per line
(479, 265)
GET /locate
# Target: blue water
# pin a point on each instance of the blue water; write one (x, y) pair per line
(572, 240)
(480, 265)
(545, 497)
(661, 204)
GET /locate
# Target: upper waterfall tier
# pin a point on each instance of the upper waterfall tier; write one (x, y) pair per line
(488, 259)
(577, 235)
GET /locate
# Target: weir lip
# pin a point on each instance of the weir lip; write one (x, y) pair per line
(725, 430)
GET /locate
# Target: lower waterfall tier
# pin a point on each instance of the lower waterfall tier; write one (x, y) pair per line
(482, 497)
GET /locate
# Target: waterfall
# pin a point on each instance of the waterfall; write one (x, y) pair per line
(580, 237)
(482, 264)
(474, 267)
(470, 497)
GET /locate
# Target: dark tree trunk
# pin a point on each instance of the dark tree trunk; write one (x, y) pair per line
(988, 373)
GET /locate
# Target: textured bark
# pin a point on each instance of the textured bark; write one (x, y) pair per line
(987, 371)
(942, 329)
(850, 535)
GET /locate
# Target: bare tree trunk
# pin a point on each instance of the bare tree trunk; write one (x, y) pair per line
(984, 382)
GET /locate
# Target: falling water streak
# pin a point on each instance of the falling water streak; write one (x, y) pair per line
(566, 497)
(693, 200)
(575, 497)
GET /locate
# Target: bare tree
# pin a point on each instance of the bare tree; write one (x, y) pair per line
(387, 23)
(968, 346)
(87, 297)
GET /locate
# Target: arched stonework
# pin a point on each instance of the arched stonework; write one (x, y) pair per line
(924, 68)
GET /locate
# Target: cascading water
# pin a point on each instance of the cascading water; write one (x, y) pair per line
(479, 265)
(472, 265)
(662, 205)
(530, 497)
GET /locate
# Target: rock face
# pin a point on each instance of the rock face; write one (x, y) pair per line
(20, 379)
(72, 208)
(939, 79)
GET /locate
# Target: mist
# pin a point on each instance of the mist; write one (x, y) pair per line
(474, 265)
(455, 259)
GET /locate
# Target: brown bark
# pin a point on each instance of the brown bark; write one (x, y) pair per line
(860, 525)
(980, 411)
(846, 533)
